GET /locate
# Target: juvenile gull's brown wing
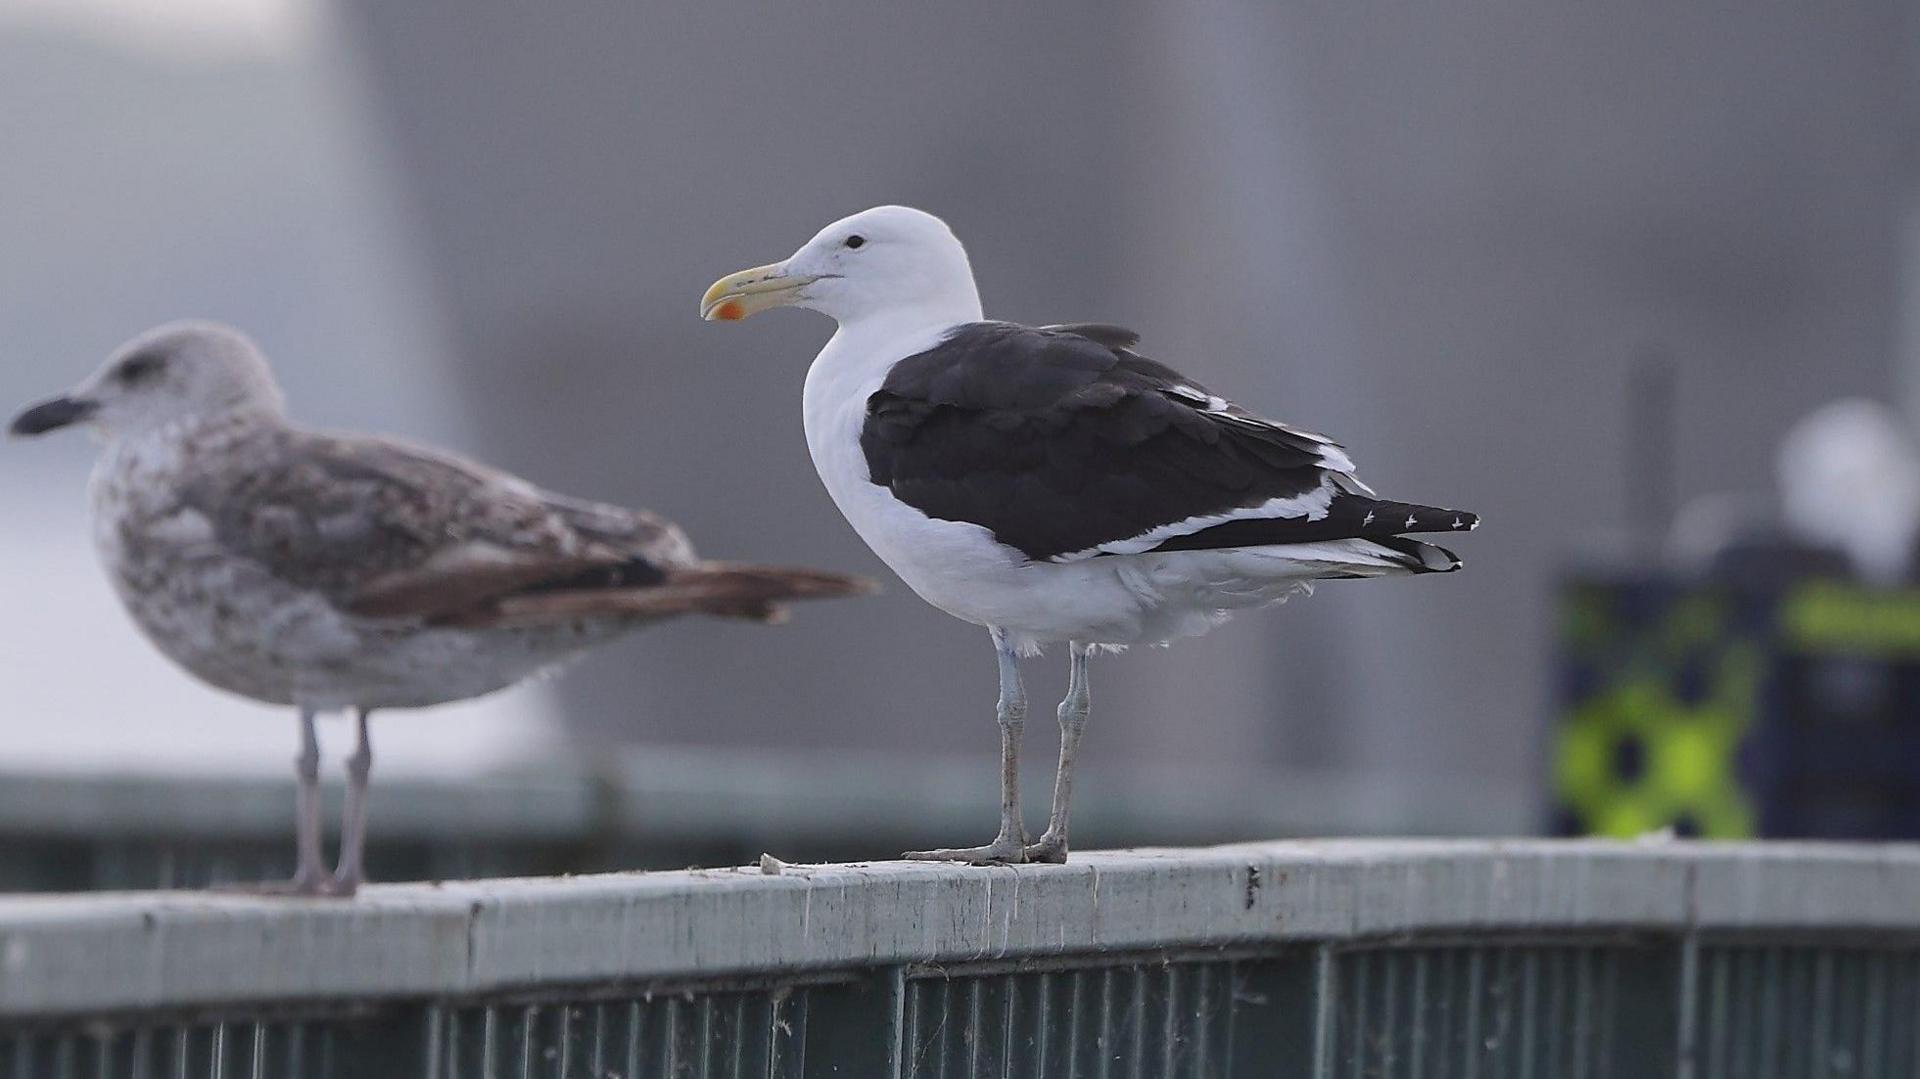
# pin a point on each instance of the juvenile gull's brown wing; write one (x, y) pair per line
(384, 529)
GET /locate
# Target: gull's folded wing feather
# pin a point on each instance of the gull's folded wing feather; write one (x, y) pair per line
(1066, 444)
(722, 588)
(384, 529)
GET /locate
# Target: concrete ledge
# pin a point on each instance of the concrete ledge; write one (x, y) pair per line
(137, 951)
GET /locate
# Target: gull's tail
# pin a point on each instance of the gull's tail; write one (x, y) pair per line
(1354, 557)
(739, 590)
(1418, 557)
(725, 589)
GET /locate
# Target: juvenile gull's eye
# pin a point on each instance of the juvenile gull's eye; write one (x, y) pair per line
(856, 241)
(139, 368)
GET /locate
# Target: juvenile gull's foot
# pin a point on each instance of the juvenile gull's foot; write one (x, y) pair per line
(303, 885)
(341, 886)
(1004, 851)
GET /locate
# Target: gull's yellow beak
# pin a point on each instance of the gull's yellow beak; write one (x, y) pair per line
(738, 295)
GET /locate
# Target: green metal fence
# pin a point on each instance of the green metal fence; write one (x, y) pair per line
(672, 808)
(1423, 960)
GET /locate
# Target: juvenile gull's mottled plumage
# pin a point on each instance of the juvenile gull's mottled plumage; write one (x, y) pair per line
(333, 572)
(1051, 483)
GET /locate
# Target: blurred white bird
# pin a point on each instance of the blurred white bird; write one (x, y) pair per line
(1850, 480)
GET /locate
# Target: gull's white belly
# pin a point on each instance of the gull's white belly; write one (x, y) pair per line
(238, 629)
(1117, 600)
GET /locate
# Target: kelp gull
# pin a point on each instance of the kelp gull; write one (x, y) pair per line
(1051, 483)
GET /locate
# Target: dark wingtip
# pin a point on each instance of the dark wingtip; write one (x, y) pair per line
(1435, 519)
(1422, 557)
(1429, 519)
(50, 416)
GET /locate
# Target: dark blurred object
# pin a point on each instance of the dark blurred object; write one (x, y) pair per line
(1777, 704)
(1763, 557)
(1761, 680)
(1652, 382)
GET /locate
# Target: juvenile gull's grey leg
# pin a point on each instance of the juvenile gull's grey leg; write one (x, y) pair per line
(1010, 844)
(1052, 845)
(353, 816)
(310, 870)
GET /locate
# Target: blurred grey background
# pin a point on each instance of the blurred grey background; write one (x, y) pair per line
(1441, 234)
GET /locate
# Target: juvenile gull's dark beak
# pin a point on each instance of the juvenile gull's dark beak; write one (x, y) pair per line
(51, 416)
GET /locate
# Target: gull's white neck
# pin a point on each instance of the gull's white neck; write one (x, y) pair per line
(865, 345)
(852, 366)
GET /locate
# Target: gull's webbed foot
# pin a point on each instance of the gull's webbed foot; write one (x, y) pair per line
(1005, 850)
(1050, 847)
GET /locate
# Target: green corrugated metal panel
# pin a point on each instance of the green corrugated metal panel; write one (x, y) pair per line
(1477, 1009)
(1166, 1018)
(1528, 1010)
(1385, 1011)
(1823, 1013)
(738, 1035)
(239, 1049)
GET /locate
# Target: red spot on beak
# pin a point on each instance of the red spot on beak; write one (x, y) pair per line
(729, 311)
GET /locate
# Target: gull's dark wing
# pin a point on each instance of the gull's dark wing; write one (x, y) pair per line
(1066, 443)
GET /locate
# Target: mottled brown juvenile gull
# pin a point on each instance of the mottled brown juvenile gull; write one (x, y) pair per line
(343, 572)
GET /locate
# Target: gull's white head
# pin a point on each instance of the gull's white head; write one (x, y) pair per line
(890, 260)
(179, 372)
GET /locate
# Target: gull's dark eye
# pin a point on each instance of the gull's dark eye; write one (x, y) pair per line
(856, 241)
(137, 369)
